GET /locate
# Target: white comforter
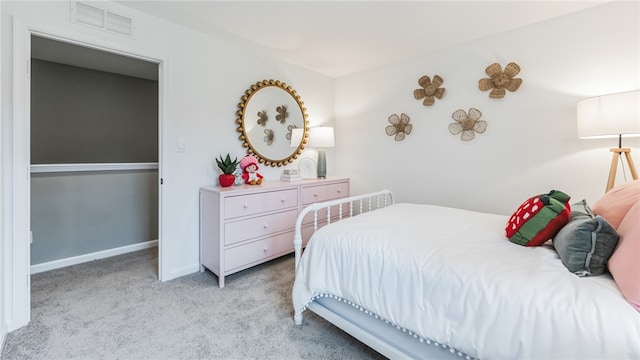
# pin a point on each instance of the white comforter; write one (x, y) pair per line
(451, 276)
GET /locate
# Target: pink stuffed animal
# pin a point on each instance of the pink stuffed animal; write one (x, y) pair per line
(249, 166)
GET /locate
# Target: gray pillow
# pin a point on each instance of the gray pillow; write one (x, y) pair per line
(585, 245)
(581, 210)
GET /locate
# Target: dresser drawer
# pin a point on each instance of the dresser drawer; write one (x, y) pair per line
(258, 250)
(326, 192)
(235, 206)
(244, 226)
(284, 199)
(259, 226)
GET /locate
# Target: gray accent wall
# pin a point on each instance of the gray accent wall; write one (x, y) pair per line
(80, 115)
(84, 212)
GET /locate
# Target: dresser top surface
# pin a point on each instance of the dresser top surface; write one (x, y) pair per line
(269, 185)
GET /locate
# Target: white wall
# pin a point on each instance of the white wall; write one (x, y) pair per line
(3, 322)
(530, 145)
(206, 77)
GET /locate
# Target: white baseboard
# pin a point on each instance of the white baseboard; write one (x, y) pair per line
(51, 265)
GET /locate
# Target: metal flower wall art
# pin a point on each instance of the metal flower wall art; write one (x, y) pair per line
(262, 118)
(429, 90)
(467, 124)
(268, 136)
(281, 117)
(290, 131)
(500, 80)
(282, 113)
(399, 127)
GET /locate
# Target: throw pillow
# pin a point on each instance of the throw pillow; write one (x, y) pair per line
(614, 205)
(581, 210)
(624, 264)
(585, 245)
(539, 218)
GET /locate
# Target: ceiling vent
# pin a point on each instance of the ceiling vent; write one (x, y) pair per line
(90, 15)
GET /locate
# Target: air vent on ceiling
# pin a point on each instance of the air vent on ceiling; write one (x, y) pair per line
(90, 15)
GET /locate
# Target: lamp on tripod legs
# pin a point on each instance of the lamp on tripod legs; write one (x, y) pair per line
(614, 115)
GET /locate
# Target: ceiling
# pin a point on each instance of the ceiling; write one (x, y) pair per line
(337, 38)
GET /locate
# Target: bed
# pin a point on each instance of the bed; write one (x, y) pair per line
(424, 281)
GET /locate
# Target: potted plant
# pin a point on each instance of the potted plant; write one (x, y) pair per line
(228, 167)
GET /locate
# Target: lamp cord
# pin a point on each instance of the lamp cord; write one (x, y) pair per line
(624, 173)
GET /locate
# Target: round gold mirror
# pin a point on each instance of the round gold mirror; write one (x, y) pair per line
(267, 115)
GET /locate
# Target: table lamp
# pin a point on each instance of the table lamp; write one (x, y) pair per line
(614, 115)
(296, 137)
(321, 138)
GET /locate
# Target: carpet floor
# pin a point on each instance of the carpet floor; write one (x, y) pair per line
(116, 308)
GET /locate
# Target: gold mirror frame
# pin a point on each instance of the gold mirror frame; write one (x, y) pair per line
(277, 105)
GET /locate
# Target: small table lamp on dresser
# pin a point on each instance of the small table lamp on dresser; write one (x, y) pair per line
(613, 115)
(321, 138)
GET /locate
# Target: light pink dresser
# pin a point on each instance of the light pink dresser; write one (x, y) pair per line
(243, 226)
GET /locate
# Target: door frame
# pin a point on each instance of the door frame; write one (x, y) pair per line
(18, 304)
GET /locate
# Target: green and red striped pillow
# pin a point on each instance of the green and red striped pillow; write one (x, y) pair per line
(539, 218)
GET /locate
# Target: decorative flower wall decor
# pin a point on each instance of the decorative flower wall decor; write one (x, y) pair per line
(500, 80)
(262, 118)
(268, 136)
(282, 113)
(430, 90)
(290, 131)
(399, 127)
(467, 125)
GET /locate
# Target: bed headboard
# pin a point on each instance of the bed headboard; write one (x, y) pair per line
(355, 205)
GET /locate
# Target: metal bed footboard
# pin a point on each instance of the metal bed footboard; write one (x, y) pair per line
(382, 336)
(357, 205)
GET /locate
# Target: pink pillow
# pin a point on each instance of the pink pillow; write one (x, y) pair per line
(614, 205)
(624, 264)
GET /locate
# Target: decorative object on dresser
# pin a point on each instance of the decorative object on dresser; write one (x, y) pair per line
(263, 101)
(500, 80)
(238, 175)
(249, 166)
(228, 167)
(609, 116)
(307, 168)
(289, 175)
(244, 226)
(321, 138)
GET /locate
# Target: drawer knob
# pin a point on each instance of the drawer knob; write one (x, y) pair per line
(266, 226)
(339, 191)
(265, 249)
(283, 200)
(246, 206)
(315, 194)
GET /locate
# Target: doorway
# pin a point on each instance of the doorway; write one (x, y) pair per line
(94, 154)
(18, 299)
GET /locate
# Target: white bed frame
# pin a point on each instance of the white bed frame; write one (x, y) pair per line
(386, 338)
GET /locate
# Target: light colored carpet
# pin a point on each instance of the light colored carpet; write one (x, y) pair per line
(116, 308)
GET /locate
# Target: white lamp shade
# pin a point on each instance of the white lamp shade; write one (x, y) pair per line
(296, 137)
(321, 137)
(609, 115)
